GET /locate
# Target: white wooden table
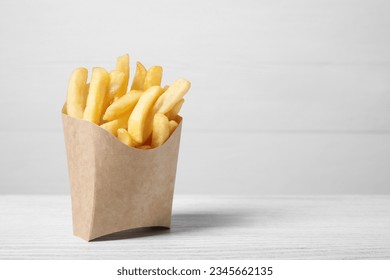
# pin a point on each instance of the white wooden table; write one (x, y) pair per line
(209, 227)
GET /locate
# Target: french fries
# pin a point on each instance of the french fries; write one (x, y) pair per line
(153, 77)
(125, 137)
(139, 77)
(85, 93)
(175, 110)
(165, 88)
(172, 126)
(77, 93)
(138, 128)
(125, 103)
(114, 125)
(143, 118)
(117, 79)
(122, 64)
(160, 130)
(96, 96)
(172, 96)
(144, 147)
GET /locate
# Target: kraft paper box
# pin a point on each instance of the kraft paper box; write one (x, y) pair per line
(115, 187)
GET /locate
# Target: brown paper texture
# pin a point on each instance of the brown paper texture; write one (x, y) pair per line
(115, 187)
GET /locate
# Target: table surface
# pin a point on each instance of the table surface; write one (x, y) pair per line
(209, 227)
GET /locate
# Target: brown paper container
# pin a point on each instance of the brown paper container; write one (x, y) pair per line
(115, 187)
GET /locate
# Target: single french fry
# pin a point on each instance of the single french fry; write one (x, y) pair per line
(160, 130)
(122, 64)
(148, 127)
(125, 137)
(114, 125)
(153, 77)
(124, 104)
(175, 110)
(144, 147)
(117, 78)
(76, 97)
(172, 96)
(97, 94)
(165, 88)
(111, 126)
(139, 77)
(123, 120)
(172, 126)
(141, 114)
(86, 91)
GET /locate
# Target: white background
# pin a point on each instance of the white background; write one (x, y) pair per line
(288, 97)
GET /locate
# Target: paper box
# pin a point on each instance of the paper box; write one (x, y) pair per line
(115, 187)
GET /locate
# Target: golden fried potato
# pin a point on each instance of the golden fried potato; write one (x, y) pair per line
(114, 125)
(139, 118)
(117, 78)
(153, 77)
(165, 88)
(125, 138)
(77, 93)
(97, 94)
(122, 64)
(172, 96)
(172, 126)
(86, 91)
(124, 104)
(139, 77)
(160, 130)
(143, 117)
(144, 147)
(175, 110)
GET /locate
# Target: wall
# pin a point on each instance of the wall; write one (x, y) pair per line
(288, 97)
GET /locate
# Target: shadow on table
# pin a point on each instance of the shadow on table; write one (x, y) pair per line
(185, 222)
(134, 233)
(195, 222)
(199, 221)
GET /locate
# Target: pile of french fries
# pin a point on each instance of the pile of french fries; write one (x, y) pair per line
(143, 116)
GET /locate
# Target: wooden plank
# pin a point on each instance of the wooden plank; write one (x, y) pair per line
(209, 227)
